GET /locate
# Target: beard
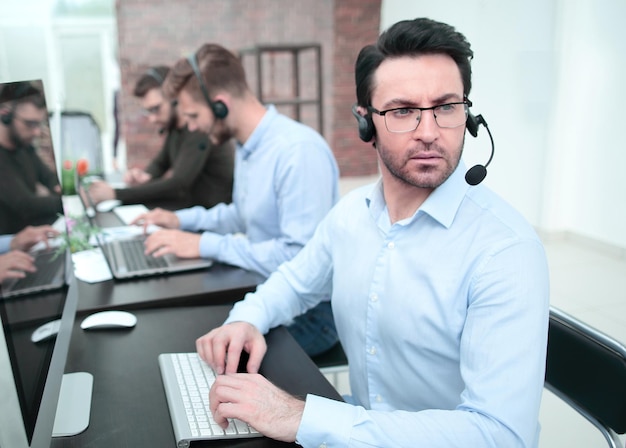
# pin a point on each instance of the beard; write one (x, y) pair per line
(429, 177)
(17, 140)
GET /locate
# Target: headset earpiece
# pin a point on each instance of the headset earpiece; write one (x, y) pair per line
(472, 124)
(7, 118)
(366, 126)
(219, 109)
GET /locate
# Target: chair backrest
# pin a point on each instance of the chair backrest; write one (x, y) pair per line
(587, 369)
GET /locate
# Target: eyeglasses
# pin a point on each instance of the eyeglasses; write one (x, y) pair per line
(30, 124)
(406, 119)
(154, 110)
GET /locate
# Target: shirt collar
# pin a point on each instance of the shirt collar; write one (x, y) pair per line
(252, 144)
(442, 204)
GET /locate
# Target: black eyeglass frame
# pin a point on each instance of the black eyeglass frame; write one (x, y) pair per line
(382, 113)
(30, 124)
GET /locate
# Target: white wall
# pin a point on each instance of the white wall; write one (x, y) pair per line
(74, 55)
(548, 77)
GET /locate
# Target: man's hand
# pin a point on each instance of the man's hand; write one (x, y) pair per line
(100, 191)
(182, 244)
(29, 236)
(256, 401)
(158, 217)
(135, 176)
(221, 347)
(15, 264)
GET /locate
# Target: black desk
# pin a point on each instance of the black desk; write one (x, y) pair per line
(219, 284)
(129, 407)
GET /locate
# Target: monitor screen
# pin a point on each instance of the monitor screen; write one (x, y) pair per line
(31, 372)
(31, 369)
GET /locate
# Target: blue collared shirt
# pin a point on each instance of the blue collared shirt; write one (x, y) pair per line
(443, 317)
(5, 243)
(286, 180)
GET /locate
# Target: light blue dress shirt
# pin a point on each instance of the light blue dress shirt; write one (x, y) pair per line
(286, 180)
(5, 243)
(443, 317)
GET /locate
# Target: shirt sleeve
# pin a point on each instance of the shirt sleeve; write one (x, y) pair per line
(22, 202)
(221, 219)
(295, 287)
(5, 243)
(185, 167)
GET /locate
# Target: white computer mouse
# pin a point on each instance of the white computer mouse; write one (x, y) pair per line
(46, 331)
(109, 319)
(108, 205)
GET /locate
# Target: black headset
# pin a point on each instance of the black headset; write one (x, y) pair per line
(474, 175)
(220, 110)
(7, 118)
(151, 72)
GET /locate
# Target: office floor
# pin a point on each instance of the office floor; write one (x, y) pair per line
(588, 281)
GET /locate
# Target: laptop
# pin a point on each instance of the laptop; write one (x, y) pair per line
(50, 275)
(187, 380)
(124, 253)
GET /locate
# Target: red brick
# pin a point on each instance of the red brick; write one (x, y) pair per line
(161, 31)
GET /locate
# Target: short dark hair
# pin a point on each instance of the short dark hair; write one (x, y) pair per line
(22, 92)
(412, 38)
(220, 70)
(153, 78)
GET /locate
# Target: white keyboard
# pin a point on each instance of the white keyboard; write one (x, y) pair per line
(194, 379)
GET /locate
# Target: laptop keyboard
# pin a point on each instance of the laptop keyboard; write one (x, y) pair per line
(194, 379)
(136, 259)
(47, 268)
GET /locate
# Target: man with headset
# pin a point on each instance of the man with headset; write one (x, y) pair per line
(439, 288)
(187, 171)
(286, 180)
(30, 190)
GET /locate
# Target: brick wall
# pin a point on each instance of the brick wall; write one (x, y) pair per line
(155, 32)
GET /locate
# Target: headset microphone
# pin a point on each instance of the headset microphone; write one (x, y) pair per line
(477, 173)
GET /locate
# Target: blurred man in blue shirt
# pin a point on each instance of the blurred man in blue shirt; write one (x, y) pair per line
(439, 289)
(286, 180)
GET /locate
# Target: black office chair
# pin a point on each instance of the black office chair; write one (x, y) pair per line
(587, 369)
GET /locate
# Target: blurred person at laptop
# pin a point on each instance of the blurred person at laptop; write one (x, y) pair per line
(30, 188)
(14, 259)
(286, 180)
(189, 170)
(439, 288)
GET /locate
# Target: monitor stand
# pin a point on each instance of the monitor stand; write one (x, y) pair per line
(74, 404)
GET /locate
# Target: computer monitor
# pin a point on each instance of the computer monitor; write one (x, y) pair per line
(32, 383)
(35, 391)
